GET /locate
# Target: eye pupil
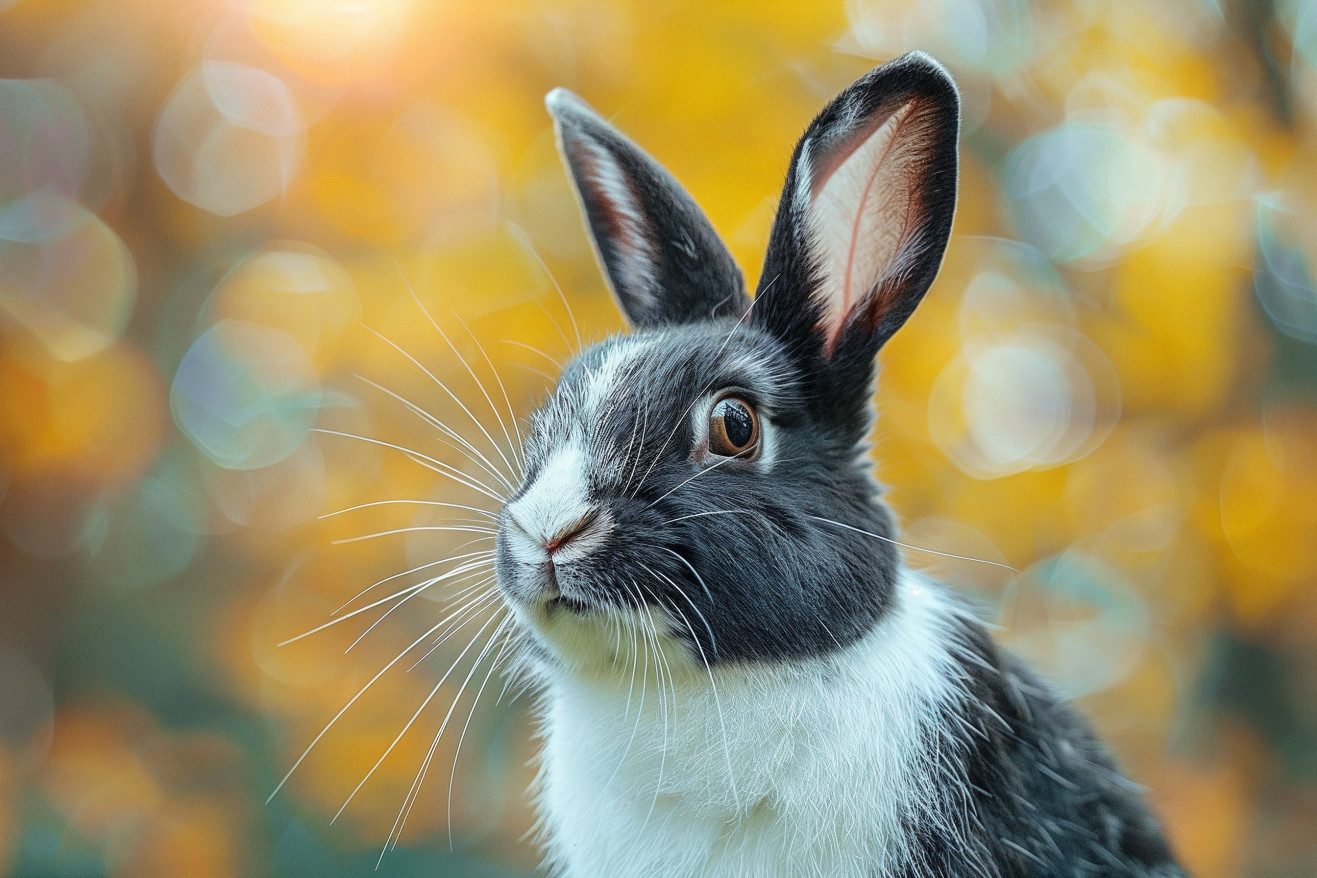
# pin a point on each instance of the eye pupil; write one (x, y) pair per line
(740, 428)
(733, 428)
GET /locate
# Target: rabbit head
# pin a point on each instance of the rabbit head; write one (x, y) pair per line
(710, 468)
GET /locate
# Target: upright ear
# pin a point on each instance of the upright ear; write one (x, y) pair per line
(865, 216)
(662, 258)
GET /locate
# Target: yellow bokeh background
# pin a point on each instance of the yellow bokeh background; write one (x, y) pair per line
(236, 234)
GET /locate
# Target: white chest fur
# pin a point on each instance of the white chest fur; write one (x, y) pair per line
(803, 769)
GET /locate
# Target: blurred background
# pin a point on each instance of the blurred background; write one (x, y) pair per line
(225, 225)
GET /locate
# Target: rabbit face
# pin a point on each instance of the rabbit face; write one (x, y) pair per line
(693, 486)
(707, 473)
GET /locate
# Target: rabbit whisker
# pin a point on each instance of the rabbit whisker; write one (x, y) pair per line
(474, 606)
(408, 725)
(498, 449)
(467, 589)
(408, 590)
(540, 372)
(529, 246)
(632, 450)
(915, 548)
(344, 709)
(722, 723)
(480, 385)
(475, 509)
(660, 668)
(400, 823)
(426, 461)
(557, 364)
(515, 463)
(636, 643)
(449, 436)
(713, 644)
(503, 390)
(710, 512)
(490, 531)
(475, 702)
(690, 479)
(483, 553)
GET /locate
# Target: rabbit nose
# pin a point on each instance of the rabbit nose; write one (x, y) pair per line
(555, 537)
(570, 532)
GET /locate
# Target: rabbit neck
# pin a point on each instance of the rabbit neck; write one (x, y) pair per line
(813, 767)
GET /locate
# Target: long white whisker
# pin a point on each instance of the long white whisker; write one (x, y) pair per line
(550, 379)
(722, 723)
(557, 364)
(451, 395)
(914, 548)
(461, 738)
(713, 644)
(704, 471)
(483, 553)
(438, 466)
(489, 531)
(480, 385)
(400, 823)
(660, 666)
(449, 436)
(710, 512)
(476, 605)
(455, 596)
(636, 642)
(475, 509)
(512, 413)
(524, 240)
(411, 589)
(344, 709)
(389, 749)
(640, 447)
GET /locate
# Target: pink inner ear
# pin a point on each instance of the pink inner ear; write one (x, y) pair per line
(862, 213)
(616, 206)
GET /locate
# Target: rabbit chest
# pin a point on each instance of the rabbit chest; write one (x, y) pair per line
(813, 768)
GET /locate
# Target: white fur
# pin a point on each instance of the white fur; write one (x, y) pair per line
(557, 499)
(807, 768)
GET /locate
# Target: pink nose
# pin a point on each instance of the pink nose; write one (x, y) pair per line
(569, 533)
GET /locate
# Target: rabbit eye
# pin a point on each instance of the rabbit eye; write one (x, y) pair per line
(733, 428)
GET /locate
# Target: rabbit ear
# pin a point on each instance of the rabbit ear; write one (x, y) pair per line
(865, 216)
(663, 260)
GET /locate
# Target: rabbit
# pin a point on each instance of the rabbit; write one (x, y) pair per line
(736, 673)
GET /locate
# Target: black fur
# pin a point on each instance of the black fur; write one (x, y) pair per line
(826, 585)
(1029, 786)
(785, 303)
(691, 267)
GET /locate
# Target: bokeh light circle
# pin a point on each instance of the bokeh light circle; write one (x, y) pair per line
(64, 274)
(246, 395)
(1079, 620)
(1033, 399)
(290, 286)
(44, 138)
(1081, 188)
(1283, 277)
(229, 139)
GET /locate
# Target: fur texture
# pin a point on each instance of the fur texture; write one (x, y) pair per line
(736, 674)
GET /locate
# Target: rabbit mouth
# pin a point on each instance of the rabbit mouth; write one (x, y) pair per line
(563, 603)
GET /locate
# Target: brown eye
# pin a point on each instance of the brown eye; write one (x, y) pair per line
(733, 428)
